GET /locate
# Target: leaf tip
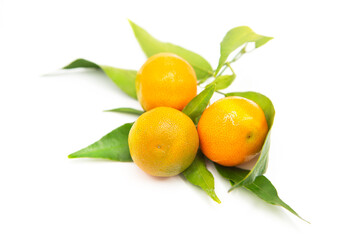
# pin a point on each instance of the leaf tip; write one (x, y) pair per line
(214, 196)
(216, 199)
(75, 154)
(236, 185)
(132, 24)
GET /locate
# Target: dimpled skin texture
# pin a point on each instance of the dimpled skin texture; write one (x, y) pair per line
(165, 80)
(163, 142)
(232, 130)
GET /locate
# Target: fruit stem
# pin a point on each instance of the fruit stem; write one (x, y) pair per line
(232, 70)
(236, 57)
(221, 93)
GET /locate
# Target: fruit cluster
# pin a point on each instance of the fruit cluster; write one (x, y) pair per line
(178, 131)
(164, 141)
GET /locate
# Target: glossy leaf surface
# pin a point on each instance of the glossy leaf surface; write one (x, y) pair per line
(152, 46)
(124, 79)
(261, 187)
(126, 110)
(235, 38)
(113, 146)
(200, 176)
(198, 104)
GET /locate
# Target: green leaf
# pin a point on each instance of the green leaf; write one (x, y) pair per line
(269, 111)
(198, 175)
(222, 82)
(261, 187)
(152, 46)
(235, 38)
(126, 110)
(81, 63)
(113, 146)
(124, 79)
(198, 104)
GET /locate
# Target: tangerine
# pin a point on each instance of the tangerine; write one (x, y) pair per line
(232, 130)
(163, 142)
(165, 80)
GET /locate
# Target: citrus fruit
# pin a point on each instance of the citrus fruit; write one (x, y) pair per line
(165, 80)
(232, 130)
(163, 142)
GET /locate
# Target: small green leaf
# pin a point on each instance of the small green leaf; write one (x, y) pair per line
(222, 82)
(126, 110)
(261, 187)
(81, 63)
(198, 175)
(198, 104)
(269, 111)
(235, 38)
(152, 46)
(113, 146)
(124, 79)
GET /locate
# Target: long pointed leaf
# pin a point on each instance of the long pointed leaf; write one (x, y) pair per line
(152, 46)
(222, 82)
(261, 187)
(198, 104)
(126, 110)
(235, 38)
(198, 175)
(124, 79)
(113, 146)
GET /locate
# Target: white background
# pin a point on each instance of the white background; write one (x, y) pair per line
(310, 71)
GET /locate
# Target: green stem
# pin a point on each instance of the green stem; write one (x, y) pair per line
(240, 54)
(222, 71)
(236, 57)
(221, 93)
(228, 64)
